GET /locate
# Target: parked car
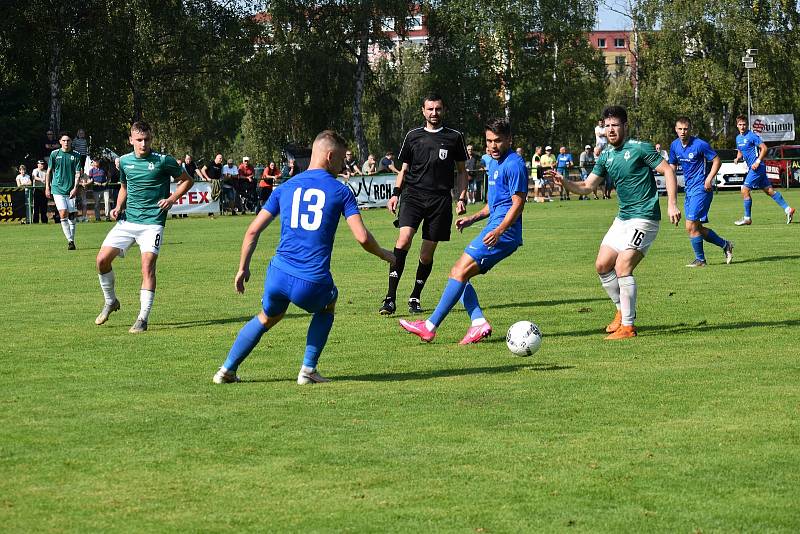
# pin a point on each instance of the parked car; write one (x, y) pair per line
(661, 183)
(783, 159)
(730, 175)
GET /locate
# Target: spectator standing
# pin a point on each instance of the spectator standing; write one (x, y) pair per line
(564, 162)
(548, 163)
(288, 170)
(586, 161)
(474, 175)
(230, 173)
(270, 175)
(39, 200)
(50, 144)
(212, 172)
(246, 185)
(370, 166)
(536, 172)
(600, 138)
(83, 184)
(99, 180)
(387, 163)
(81, 145)
(23, 178)
(191, 167)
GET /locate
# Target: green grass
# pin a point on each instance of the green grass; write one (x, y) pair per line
(692, 426)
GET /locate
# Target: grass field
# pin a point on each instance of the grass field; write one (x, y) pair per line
(692, 426)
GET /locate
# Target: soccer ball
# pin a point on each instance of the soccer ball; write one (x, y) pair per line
(523, 338)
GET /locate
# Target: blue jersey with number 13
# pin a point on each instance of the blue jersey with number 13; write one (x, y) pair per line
(310, 206)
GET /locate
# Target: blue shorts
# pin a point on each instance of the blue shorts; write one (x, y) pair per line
(486, 257)
(281, 288)
(757, 179)
(696, 206)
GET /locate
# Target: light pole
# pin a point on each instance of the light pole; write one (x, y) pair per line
(749, 63)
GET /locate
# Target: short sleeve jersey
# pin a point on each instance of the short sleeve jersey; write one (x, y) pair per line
(563, 160)
(507, 176)
(147, 182)
(692, 159)
(64, 165)
(431, 156)
(747, 144)
(98, 175)
(547, 160)
(310, 206)
(213, 170)
(630, 169)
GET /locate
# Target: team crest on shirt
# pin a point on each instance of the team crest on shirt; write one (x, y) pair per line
(442, 153)
(691, 156)
(627, 155)
(151, 166)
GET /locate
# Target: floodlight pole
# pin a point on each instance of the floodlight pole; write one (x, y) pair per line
(749, 112)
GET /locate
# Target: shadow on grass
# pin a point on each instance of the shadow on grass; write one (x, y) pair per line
(678, 328)
(427, 375)
(223, 320)
(766, 259)
(543, 303)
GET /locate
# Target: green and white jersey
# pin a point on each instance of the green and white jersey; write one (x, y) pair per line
(630, 169)
(147, 181)
(64, 165)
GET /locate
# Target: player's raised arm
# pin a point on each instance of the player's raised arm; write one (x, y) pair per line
(581, 188)
(367, 240)
(249, 244)
(671, 180)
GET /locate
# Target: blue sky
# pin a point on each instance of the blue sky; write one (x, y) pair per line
(608, 20)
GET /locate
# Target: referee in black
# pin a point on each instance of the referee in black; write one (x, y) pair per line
(429, 157)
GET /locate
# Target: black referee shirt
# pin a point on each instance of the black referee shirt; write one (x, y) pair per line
(431, 156)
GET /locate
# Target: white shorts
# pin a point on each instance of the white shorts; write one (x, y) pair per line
(64, 203)
(124, 233)
(636, 234)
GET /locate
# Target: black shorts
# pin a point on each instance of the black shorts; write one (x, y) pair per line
(434, 211)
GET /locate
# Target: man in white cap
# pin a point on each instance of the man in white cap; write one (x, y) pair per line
(586, 162)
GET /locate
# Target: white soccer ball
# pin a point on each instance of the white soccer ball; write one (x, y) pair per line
(523, 338)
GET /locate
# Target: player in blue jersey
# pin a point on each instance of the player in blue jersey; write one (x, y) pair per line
(753, 150)
(508, 187)
(310, 205)
(691, 153)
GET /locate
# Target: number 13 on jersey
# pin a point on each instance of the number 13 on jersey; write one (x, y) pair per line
(307, 209)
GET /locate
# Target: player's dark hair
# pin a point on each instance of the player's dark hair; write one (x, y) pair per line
(432, 97)
(616, 112)
(62, 134)
(499, 126)
(684, 120)
(331, 137)
(141, 127)
(741, 118)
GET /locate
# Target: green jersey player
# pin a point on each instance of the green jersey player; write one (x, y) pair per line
(141, 212)
(629, 165)
(61, 184)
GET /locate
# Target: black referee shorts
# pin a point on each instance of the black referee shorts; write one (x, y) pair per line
(435, 212)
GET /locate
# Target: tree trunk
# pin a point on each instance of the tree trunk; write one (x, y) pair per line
(361, 75)
(55, 87)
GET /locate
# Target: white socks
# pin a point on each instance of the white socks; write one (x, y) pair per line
(107, 285)
(68, 229)
(479, 321)
(146, 301)
(611, 285)
(627, 296)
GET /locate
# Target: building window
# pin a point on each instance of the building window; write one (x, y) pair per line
(414, 23)
(619, 42)
(387, 24)
(601, 43)
(619, 60)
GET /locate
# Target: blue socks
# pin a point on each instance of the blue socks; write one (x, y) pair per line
(747, 205)
(452, 293)
(469, 298)
(777, 197)
(713, 238)
(318, 330)
(248, 338)
(697, 245)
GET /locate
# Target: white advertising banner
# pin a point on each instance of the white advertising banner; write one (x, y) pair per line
(773, 127)
(371, 191)
(196, 200)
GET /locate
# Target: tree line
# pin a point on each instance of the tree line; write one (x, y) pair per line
(248, 77)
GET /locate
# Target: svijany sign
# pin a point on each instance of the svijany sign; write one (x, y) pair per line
(773, 127)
